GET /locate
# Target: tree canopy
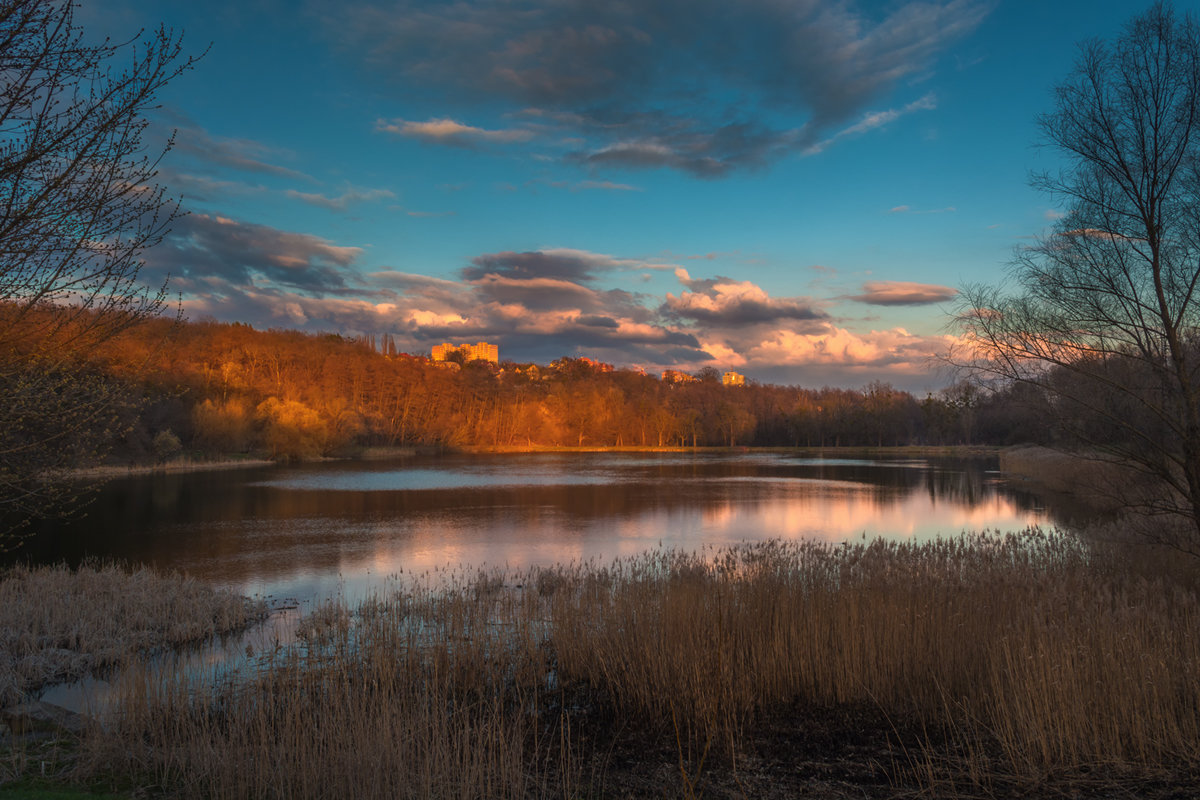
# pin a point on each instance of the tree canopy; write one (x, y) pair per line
(79, 206)
(1101, 314)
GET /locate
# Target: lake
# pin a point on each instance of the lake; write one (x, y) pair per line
(313, 531)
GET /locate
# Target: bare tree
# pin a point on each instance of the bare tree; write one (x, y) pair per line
(1102, 313)
(78, 207)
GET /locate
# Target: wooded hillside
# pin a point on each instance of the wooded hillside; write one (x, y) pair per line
(228, 388)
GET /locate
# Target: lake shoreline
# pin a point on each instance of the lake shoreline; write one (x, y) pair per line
(109, 471)
(916, 451)
(204, 464)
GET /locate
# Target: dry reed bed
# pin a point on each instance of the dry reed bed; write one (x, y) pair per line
(60, 624)
(1033, 657)
(1094, 481)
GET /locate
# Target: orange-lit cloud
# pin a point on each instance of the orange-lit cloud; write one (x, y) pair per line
(895, 348)
(539, 305)
(726, 302)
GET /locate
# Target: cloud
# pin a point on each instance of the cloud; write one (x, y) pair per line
(584, 186)
(572, 265)
(733, 303)
(608, 186)
(447, 131)
(553, 280)
(903, 293)
(538, 294)
(393, 277)
(344, 200)
(870, 121)
(193, 187)
(597, 321)
(243, 155)
(538, 305)
(896, 348)
(690, 146)
(203, 248)
(273, 306)
(206, 171)
(726, 302)
(621, 80)
(911, 210)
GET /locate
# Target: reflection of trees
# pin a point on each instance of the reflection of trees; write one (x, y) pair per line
(231, 519)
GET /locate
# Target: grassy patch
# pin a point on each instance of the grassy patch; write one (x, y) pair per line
(59, 624)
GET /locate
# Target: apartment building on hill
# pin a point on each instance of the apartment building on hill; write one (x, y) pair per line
(480, 351)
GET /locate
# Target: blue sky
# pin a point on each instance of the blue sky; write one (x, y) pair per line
(789, 188)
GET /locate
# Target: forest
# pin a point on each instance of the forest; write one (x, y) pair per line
(219, 389)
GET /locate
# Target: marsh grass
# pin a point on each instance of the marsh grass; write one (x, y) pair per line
(1097, 483)
(995, 663)
(1121, 506)
(60, 624)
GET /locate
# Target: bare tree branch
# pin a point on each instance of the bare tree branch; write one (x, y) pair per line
(78, 207)
(1103, 315)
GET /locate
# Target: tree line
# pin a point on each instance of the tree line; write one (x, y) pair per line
(228, 388)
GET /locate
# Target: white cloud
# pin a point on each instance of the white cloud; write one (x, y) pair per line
(873, 120)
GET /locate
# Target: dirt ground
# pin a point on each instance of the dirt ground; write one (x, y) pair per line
(836, 754)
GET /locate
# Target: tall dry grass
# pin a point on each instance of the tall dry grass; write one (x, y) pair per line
(1144, 517)
(432, 693)
(1031, 656)
(59, 624)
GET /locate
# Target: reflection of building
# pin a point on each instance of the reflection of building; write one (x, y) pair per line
(675, 376)
(470, 352)
(732, 378)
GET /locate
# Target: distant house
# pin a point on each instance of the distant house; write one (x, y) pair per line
(732, 378)
(531, 371)
(675, 376)
(572, 366)
(481, 351)
(598, 366)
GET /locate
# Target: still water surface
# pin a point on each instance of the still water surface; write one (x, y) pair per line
(319, 530)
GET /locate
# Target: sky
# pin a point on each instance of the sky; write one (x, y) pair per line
(792, 189)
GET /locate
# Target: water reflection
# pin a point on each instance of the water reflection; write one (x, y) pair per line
(317, 530)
